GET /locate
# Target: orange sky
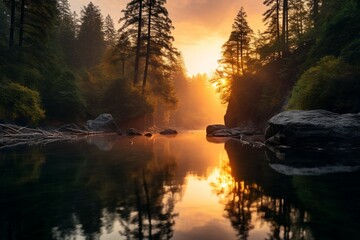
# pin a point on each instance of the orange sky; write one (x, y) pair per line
(201, 26)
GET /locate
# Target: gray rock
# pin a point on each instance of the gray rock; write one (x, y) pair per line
(133, 132)
(226, 133)
(104, 123)
(169, 132)
(314, 129)
(214, 128)
(219, 130)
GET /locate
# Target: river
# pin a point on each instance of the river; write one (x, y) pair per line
(179, 187)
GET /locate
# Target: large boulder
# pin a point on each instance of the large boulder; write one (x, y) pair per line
(103, 123)
(314, 129)
(219, 130)
(214, 128)
(313, 142)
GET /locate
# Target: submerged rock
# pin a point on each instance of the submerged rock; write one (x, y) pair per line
(133, 132)
(169, 132)
(315, 128)
(104, 123)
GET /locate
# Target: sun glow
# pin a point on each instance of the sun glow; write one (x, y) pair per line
(202, 56)
(220, 179)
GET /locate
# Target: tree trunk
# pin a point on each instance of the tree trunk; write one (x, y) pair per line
(285, 26)
(286, 9)
(278, 23)
(139, 208)
(237, 57)
(315, 10)
(148, 208)
(138, 45)
(12, 24)
(22, 16)
(123, 67)
(242, 55)
(147, 47)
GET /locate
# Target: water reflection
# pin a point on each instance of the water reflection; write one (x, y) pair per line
(111, 187)
(250, 210)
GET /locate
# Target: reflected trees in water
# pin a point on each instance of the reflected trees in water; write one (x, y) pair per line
(247, 203)
(82, 192)
(150, 214)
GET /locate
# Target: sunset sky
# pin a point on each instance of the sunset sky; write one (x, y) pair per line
(201, 26)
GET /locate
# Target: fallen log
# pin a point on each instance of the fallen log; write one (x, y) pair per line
(13, 135)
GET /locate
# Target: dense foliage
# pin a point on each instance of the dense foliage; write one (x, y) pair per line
(72, 67)
(332, 84)
(20, 104)
(310, 44)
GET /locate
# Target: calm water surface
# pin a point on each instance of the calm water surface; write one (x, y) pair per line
(183, 187)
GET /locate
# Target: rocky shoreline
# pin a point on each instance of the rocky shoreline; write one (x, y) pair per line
(303, 142)
(14, 135)
(316, 141)
(252, 137)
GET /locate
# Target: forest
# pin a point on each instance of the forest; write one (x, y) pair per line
(308, 58)
(58, 66)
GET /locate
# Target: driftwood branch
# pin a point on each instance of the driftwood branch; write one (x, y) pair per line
(13, 135)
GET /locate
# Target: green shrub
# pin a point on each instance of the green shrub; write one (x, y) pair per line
(20, 104)
(62, 99)
(332, 85)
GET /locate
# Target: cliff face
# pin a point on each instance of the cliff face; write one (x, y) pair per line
(256, 98)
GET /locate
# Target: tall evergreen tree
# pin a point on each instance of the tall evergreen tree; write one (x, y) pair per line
(234, 56)
(67, 34)
(122, 52)
(150, 5)
(64, 9)
(160, 55)
(109, 32)
(298, 20)
(77, 23)
(91, 36)
(22, 19)
(241, 35)
(12, 24)
(272, 20)
(133, 23)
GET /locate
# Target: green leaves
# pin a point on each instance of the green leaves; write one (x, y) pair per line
(91, 37)
(20, 104)
(331, 85)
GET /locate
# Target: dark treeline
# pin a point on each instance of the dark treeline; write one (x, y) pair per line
(57, 66)
(306, 59)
